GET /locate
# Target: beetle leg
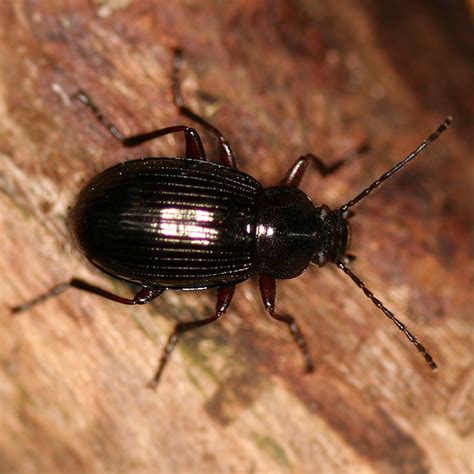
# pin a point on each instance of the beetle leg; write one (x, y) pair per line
(194, 148)
(224, 297)
(296, 172)
(268, 291)
(226, 156)
(145, 295)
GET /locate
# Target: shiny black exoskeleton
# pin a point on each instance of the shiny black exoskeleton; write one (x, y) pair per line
(190, 224)
(185, 223)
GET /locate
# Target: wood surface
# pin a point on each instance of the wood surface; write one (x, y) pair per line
(280, 79)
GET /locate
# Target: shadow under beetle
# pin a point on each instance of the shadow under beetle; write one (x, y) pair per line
(188, 224)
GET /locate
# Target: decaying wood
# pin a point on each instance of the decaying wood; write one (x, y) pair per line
(280, 79)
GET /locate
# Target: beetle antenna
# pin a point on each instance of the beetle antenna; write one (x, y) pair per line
(398, 166)
(387, 313)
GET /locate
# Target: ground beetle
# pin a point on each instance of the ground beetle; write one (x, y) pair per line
(188, 224)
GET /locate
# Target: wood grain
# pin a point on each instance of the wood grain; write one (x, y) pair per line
(281, 79)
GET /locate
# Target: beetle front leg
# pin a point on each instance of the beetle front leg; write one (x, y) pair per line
(224, 297)
(268, 292)
(145, 295)
(296, 172)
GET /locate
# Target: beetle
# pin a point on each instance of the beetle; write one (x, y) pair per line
(184, 223)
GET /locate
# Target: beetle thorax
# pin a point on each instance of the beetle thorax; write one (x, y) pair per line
(291, 233)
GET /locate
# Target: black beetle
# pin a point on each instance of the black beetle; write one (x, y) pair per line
(188, 224)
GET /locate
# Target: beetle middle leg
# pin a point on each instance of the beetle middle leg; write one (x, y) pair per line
(194, 148)
(268, 292)
(224, 297)
(226, 156)
(145, 295)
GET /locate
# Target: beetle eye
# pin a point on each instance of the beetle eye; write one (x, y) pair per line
(324, 211)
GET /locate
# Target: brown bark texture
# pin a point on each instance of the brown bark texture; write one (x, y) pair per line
(280, 79)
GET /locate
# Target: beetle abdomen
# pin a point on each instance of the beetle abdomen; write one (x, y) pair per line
(169, 222)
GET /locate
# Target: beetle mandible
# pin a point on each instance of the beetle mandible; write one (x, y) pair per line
(183, 223)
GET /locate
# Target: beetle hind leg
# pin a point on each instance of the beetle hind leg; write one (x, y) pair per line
(145, 295)
(194, 148)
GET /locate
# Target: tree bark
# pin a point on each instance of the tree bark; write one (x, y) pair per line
(280, 79)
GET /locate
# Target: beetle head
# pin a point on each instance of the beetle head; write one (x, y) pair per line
(333, 236)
